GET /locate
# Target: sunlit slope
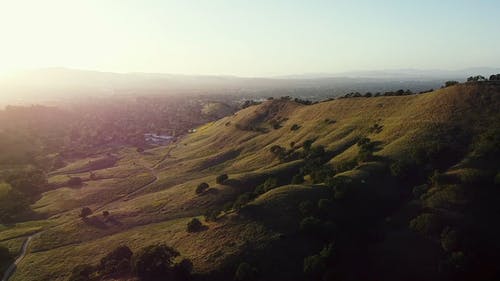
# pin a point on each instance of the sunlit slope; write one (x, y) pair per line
(152, 194)
(337, 124)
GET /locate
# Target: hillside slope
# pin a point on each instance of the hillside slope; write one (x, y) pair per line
(151, 195)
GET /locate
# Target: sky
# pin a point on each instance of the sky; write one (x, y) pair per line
(248, 38)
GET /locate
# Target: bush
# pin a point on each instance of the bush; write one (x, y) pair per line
(85, 212)
(155, 262)
(81, 273)
(194, 225)
(242, 200)
(420, 190)
(221, 179)
(105, 214)
(314, 265)
(310, 225)
(325, 205)
(298, 179)
(306, 208)
(295, 127)
(75, 181)
(450, 83)
(449, 239)
(269, 184)
(117, 262)
(5, 257)
(427, 224)
(202, 187)
(245, 272)
(211, 215)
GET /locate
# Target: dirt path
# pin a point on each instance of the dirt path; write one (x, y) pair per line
(24, 249)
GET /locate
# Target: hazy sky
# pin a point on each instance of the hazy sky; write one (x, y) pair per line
(249, 38)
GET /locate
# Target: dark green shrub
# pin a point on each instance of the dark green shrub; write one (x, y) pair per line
(194, 225)
(427, 224)
(117, 262)
(298, 179)
(295, 127)
(81, 273)
(306, 208)
(245, 272)
(221, 178)
(420, 190)
(242, 200)
(449, 239)
(269, 184)
(85, 212)
(310, 225)
(325, 205)
(155, 262)
(5, 257)
(212, 215)
(75, 181)
(202, 187)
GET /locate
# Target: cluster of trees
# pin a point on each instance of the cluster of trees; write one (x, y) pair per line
(6, 258)
(399, 92)
(480, 78)
(151, 263)
(21, 188)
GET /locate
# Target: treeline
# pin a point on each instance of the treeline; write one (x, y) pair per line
(152, 263)
(19, 188)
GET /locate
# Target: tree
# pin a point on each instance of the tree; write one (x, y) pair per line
(306, 208)
(81, 273)
(117, 262)
(202, 187)
(155, 262)
(75, 181)
(245, 272)
(85, 212)
(105, 214)
(298, 179)
(5, 256)
(450, 83)
(449, 239)
(495, 77)
(426, 223)
(242, 200)
(307, 144)
(476, 78)
(221, 178)
(314, 265)
(310, 225)
(194, 225)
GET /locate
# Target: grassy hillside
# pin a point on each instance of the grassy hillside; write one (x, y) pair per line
(151, 195)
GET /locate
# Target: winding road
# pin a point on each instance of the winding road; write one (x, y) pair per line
(12, 268)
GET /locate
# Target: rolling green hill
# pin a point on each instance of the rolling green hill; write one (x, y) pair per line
(442, 141)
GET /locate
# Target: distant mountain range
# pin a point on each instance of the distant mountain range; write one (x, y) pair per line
(60, 83)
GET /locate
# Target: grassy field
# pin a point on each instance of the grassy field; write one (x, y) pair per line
(151, 195)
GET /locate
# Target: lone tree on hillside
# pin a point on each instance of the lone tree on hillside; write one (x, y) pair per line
(202, 187)
(156, 262)
(221, 178)
(75, 181)
(85, 212)
(194, 225)
(105, 214)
